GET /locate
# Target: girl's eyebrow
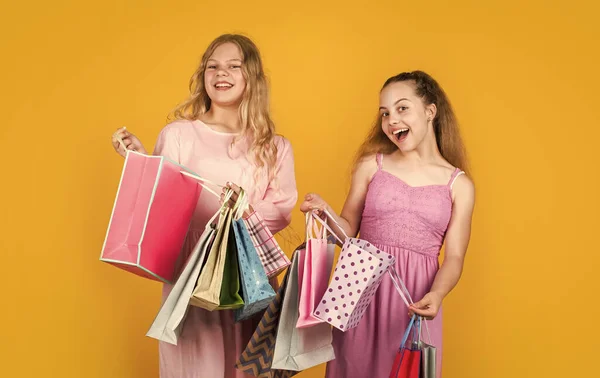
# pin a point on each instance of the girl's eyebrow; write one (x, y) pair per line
(229, 60)
(397, 101)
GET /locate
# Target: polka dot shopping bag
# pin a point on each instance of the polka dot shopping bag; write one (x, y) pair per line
(357, 275)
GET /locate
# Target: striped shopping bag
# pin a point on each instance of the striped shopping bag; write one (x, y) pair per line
(257, 357)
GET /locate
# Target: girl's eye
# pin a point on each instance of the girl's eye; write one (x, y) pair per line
(212, 67)
(384, 114)
(402, 108)
(236, 66)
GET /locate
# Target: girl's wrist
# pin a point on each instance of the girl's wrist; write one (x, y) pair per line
(438, 294)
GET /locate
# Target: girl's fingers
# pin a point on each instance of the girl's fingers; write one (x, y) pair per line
(234, 187)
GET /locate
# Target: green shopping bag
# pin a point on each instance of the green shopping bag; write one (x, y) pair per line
(230, 298)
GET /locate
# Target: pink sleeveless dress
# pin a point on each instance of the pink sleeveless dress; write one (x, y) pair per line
(409, 223)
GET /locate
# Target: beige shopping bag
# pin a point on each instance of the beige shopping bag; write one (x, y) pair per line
(207, 292)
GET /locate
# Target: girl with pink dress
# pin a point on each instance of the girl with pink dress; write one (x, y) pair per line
(408, 196)
(224, 133)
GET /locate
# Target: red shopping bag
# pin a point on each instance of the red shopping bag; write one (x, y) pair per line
(407, 363)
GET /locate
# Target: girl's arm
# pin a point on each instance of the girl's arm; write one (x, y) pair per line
(457, 241)
(351, 215)
(280, 198)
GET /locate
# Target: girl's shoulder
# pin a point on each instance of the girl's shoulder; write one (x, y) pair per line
(369, 161)
(179, 125)
(281, 141)
(283, 145)
(176, 128)
(367, 166)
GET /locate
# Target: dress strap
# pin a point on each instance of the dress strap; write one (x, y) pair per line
(379, 158)
(457, 172)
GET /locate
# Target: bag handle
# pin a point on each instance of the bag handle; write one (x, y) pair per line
(406, 298)
(241, 204)
(207, 181)
(312, 230)
(400, 286)
(325, 226)
(407, 332)
(228, 195)
(417, 331)
(203, 180)
(332, 219)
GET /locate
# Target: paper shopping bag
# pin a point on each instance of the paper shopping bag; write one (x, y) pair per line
(270, 253)
(230, 298)
(407, 364)
(154, 204)
(317, 265)
(356, 277)
(208, 290)
(169, 321)
(428, 361)
(256, 289)
(299, 349)
(257, 357)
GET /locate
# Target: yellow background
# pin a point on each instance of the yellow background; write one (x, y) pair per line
(523, 79)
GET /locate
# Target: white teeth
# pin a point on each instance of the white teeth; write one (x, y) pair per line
(399, 131)
(223, 85)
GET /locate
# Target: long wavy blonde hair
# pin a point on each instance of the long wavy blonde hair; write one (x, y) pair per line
(254, 115)
(445, 124)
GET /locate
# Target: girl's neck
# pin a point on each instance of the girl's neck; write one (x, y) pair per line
(223, 119)
(426, 153)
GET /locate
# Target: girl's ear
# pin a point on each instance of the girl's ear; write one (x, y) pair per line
(431, 111)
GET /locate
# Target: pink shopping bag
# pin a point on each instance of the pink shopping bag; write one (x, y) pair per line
(357, 275)
(313, 277)
(151, 215)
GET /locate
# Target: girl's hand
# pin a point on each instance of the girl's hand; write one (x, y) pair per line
(234, 197)
(428, 307)
(313, 202)
(130, 141)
